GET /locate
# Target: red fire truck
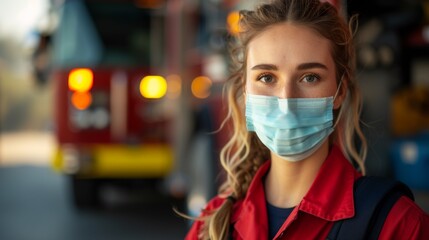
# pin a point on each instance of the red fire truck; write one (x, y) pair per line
(136, 94)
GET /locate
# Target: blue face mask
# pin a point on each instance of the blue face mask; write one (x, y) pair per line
(292, 128)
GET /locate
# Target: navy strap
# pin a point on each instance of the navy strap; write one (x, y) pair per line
(374, 197)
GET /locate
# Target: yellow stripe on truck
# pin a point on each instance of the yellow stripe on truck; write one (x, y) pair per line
(119, 161)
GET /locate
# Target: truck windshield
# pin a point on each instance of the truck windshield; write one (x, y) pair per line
(116, 33)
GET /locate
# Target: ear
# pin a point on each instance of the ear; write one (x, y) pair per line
(342, 93)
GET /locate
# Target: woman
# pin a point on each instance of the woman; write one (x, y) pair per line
(295, 106)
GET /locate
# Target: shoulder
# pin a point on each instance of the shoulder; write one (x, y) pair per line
(212, 205)
(406, 220)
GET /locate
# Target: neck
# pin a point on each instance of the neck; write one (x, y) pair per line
(288, 182)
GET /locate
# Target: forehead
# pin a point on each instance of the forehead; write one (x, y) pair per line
(289, 43)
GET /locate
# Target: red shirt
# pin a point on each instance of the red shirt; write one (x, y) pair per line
(329, 199)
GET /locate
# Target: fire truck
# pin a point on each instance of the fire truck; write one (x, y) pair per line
(137, 93)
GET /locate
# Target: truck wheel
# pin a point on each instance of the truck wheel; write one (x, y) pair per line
(85, 192)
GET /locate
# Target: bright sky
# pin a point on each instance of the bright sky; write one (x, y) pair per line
(19, 17)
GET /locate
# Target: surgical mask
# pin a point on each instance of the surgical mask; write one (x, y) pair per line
(292, 128)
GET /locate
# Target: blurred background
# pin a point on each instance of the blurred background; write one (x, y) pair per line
(109, 110)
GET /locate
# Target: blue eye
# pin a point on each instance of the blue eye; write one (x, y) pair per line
(266, 78)
(311, 78)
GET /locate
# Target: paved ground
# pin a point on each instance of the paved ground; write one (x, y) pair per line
(34, 205)
(35, 202)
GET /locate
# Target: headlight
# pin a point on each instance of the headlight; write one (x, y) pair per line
(153, 87)
(81, 100)
(201, 86)
(80, 79)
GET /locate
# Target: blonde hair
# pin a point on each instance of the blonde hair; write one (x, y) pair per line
(243, 154)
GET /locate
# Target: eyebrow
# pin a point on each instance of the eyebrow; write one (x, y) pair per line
(310, 65)
(265, 67)
(302, 66)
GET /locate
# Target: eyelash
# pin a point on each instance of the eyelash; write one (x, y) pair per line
(262, 75)
(317, 77)
(312, 75)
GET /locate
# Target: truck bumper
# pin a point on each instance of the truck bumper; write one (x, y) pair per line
(114, 161)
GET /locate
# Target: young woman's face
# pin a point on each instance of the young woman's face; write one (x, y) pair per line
(290, 61)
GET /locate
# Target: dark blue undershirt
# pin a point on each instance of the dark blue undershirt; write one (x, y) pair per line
(276, 218)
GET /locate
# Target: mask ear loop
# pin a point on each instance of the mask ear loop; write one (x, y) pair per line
(338, 89)
(341, 109)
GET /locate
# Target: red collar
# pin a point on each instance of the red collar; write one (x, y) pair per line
(329, 198)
